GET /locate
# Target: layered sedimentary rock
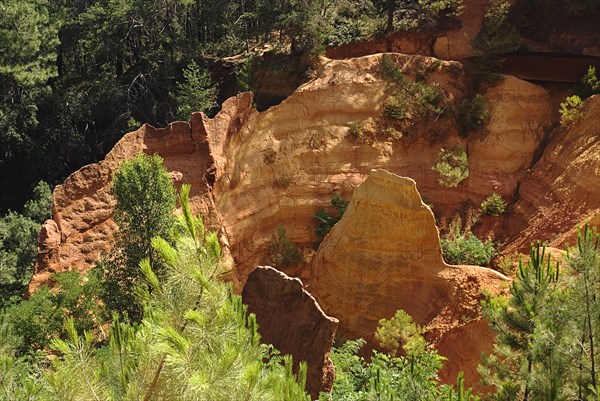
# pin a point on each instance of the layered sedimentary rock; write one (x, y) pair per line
(384, 255)
(251, 171)
(82, 228)
(291, 320)
(562, 190)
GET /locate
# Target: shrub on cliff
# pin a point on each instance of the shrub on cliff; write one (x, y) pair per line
(452, 166)
(493, 205)
(328, 220)
(589, 84)
(408, 99)
(473, 113)
(465, 248)
(571, 111)
(282, 251)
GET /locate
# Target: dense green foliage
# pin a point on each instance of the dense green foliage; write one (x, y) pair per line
(145, 200)
(327, 220)
(452, 166)
(465, 248)
(195, 93)
(400, 333)
(76, 75)
(40, 319)
(389, 378)
(493, 205)
(408, 99)
(473, 113)
(589, 84)
(18, 243)
(497, 37)
(547, 330)
(282, 251)
(196, 341)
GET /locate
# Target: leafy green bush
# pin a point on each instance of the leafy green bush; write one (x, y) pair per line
(327, 220)
(466, 249)
(473, 113)
(493, 205)
(400, 332)
(40, 318)
(145, 202)
(282, 251)
(452, 166)
(571, 110)
(388, 378)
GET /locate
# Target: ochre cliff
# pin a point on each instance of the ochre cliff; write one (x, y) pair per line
(384, 255)
(251, 171)
(563, 189)
(290, 319)
(236, 160)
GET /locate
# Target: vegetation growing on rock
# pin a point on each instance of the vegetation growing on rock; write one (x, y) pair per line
(452, 166)
(493, 205)
(465, 248)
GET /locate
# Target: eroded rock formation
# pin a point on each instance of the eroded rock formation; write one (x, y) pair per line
(237, 160)
(291, 320)
(563, 189)
(384, 255)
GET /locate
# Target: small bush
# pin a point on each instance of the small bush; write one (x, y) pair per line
(401, 333)
(452, 166)
(282, 251)
(571, 111)
(466, 249)
(473, 113)
(327, 220)
(355, 129)
(493, 205)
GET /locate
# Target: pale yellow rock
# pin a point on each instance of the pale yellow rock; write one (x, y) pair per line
(384, 255)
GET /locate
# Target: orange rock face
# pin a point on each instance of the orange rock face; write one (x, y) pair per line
(236, 160)
(563, 189)
(291, 320)
(384, 255)
(252, 171)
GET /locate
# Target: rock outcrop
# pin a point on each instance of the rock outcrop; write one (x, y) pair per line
(562, 190)
(291, 320)
(237, 161)
(384, 255)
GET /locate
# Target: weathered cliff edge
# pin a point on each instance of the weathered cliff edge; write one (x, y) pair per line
(291, 319)
(384, 255)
